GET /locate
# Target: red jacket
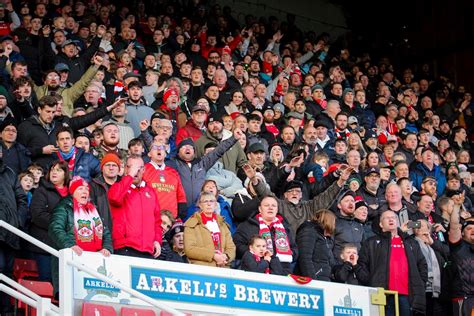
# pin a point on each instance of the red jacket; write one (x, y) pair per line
(190, 130)
(167, 186)
(206, 49)
(136, 215)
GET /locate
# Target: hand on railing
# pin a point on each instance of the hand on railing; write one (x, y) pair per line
(77, 250)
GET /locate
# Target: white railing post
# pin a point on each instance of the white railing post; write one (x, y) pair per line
(66, 283)
(43, 307)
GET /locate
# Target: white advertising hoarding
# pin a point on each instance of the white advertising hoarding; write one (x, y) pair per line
(214, 290)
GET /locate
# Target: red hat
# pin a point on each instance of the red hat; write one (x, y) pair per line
(110, 157)
(77, 182)
(168, 93)
(226, 50)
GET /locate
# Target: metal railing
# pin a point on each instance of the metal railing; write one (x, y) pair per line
(42, 301)
(43, 305)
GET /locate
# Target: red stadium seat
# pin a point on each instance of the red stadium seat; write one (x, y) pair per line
(24, 268)
(43, 289)
(91, 309)
(129, 311)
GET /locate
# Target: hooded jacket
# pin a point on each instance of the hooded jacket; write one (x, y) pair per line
(193, 174)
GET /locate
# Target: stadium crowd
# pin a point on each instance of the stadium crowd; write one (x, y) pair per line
(168, 130)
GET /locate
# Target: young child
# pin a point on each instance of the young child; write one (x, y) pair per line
(37, 172)
(347, 271)
(259, 259)
(318, 167)
(27, 179)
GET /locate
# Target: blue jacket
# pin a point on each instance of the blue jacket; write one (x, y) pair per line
(225, 213)
(421, 171)
(193, 176)
(86, 165)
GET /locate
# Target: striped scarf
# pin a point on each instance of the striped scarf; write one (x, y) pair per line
(282, 244)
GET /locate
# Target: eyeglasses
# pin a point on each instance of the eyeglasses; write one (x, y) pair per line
(165, 127)
(11, 130)
(158, 147)
(51, 77)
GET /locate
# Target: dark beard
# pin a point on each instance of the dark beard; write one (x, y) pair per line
(217, 135)
(268, 120)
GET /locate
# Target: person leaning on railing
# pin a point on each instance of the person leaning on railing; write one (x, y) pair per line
(76, 224)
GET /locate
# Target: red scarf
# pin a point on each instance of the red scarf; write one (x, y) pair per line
(282, 244)
(88, 227)
(71, 162)
(62, 191)
(213, 226)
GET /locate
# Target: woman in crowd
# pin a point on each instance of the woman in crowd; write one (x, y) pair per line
(276, 154)
(76, 224)
(222, 206)
(207, 238)
(372, 160)
(51, 190)
(315, 239)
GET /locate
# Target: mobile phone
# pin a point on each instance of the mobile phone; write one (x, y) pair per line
(415, 224)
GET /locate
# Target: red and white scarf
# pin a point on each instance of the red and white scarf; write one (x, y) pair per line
(71, 162)
(282, 244)
(213, 226)
(88, 226)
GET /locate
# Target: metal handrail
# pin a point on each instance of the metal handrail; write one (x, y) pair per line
(42, 305)
(54, 252)
(24, 290)
(30, 239)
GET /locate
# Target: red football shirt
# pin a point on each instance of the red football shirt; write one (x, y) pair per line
(398, 274)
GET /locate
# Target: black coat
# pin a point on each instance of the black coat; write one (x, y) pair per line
(316, 258)
(250, 228)
(13, 205)
(45, 199)
(374, 259)
(79, 64)
(34, 136)
(249, 263)
(17, 157)
(99, 190)
(243, 207)
(346, 273)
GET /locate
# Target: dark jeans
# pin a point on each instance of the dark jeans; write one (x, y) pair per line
(434, 306)
(7, 257)
(127, 251)
(44, 266)
(403, 306)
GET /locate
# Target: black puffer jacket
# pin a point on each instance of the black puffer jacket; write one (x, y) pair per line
(374, 259)
(13, 205)
(316, 258)
(45, 198)
(348, 231)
